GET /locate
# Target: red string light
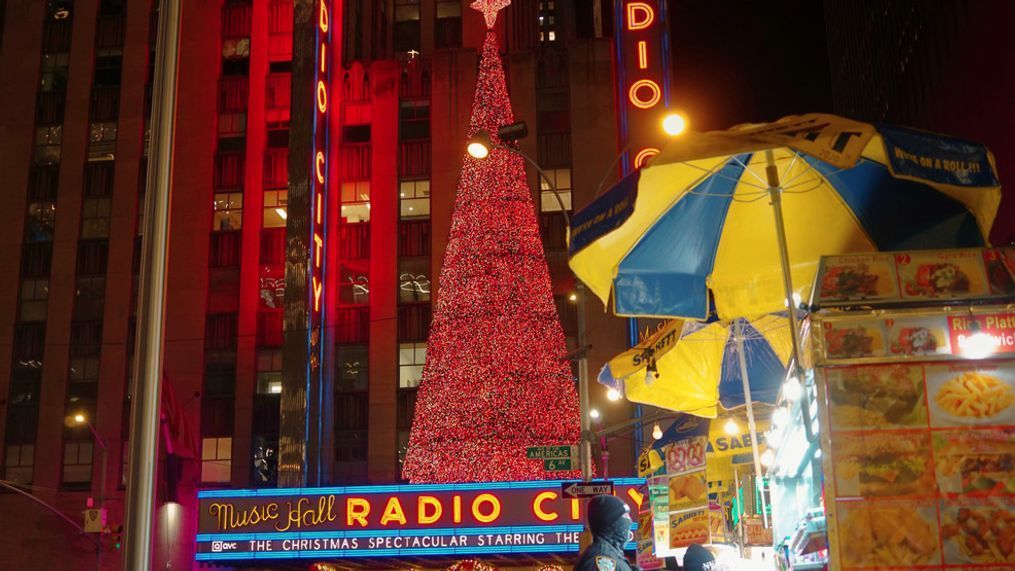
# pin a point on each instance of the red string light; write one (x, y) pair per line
(494, 381)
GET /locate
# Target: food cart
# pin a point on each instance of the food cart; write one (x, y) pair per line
(910, 448)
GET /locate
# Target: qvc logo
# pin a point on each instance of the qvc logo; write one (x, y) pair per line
(220, 546)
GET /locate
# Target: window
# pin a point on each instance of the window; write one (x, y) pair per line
(414, 321)
(275, 203)
(547, 21)
(99, 179)
(89, 297)
(414, 120)
(228, 171)
(228, 211)
(351, 368)
(216, 459)
(47, 144)
(414, 238)
(562, 180)
(18, 463)
(101, 140)
(413, 280)
(407, 28)
(41, 221)
(272, 287)
(269, 372)
(414, 159)
(36, 260)
(353, 324)
(95, 218)
(280, 30)
(277, 94)
(93, 257)
(34, 300)
(354, 241)
(411, 357)
(414, 198)
(220, 332)
(276, 168)
(354, 283)
(351, 414)
(356, 201)
(77, 462)
(55, 68)
(448, 29)
(270, 328)
(84, 379)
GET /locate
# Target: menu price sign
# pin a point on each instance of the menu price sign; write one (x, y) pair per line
(922, 459)
(909, 336)
(924, 275)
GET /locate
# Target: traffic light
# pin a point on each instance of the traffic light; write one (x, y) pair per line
(115, 533)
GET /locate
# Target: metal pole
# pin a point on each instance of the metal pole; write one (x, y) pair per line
(145, 392)
(585, 443)
(775, 192)
(738, 332)
(102, 489)
(585, 454)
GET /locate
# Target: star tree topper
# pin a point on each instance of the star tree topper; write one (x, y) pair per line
(490, 8)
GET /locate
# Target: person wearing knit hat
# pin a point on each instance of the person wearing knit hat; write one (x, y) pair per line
(609, 520)
(697, 558)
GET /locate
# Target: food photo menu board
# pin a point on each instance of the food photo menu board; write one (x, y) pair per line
(915, 335)
(917, 276)
(921, 464)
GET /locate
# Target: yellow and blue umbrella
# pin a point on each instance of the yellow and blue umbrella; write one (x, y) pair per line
(693, 235)
(694, 367)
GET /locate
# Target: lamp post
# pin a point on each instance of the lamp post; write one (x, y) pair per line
(80, 418)
(479, 147)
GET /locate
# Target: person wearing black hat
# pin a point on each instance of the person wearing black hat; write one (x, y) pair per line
(698, 558)
(609, 520)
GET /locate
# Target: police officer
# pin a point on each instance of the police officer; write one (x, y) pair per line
(609, 520)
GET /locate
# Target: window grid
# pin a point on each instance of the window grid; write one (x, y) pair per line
(216, 459)
(411, 357)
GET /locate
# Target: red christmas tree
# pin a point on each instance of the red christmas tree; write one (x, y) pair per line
(494, 381)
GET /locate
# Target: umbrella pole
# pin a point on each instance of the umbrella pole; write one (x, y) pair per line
(752, 426)
(775, 192)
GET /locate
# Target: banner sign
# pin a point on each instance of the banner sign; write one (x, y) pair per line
(392, 521)
(937, 158)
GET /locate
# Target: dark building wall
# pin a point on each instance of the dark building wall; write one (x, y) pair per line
(938, 65)
(221, 339)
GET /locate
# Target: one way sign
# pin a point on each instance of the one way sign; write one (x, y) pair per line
(572, 490)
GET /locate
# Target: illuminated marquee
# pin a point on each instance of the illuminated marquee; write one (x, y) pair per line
(642, 68)
(319, 194)
(386, 521)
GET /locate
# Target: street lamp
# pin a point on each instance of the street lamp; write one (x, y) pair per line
(479, 147)
(673, 124)
(80, 418)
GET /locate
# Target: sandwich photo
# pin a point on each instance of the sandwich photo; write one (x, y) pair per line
(982, 466)
(884, 464)
(863, 397)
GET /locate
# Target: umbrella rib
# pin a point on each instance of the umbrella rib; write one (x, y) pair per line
(714, 172)
(754, 174)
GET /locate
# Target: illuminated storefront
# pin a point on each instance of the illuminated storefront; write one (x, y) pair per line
(501, 518)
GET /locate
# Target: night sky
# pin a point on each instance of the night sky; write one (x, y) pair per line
(748, 61)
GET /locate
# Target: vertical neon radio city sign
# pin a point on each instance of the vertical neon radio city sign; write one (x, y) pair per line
(319, 188)
(642, 40)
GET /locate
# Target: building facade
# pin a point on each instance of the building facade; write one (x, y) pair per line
(75, 172)
(936, 65)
